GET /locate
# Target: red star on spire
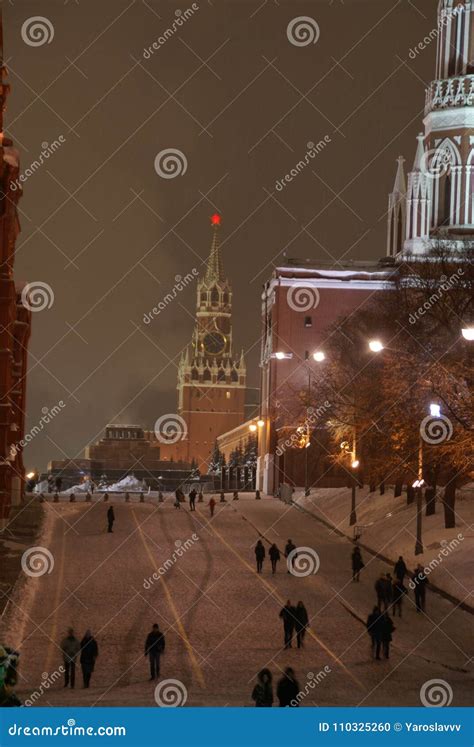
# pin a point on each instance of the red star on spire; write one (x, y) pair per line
(215, 220)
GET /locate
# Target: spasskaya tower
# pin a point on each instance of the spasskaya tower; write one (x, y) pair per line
(211, 381)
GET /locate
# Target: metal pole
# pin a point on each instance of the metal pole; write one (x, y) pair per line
(353, 517)
(306, 481)
(419, 502)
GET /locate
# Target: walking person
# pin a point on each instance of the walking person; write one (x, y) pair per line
(192, 500)
(154, 647)
(212, 505)
(70, 648)
(357, 563)
(400, 570)
(259, 555)
(381, 591)
(288, 616)
(373, 629)
(420, 581)
(89, 653)
(177, 502)
(398, 592)
(262, 693)
(289, 547)
(288, 689)
(302, 622)
(386, 629)
(110, 518)
(274, 554)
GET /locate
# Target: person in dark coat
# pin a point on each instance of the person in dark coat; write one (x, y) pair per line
(373, 629)
(263, 691)
(357, 563)
(288, 689)
(70, 647)
(154, 647)
(301, 623)
(89, 653)
(400, 570)
(398, 592)
(288, 615)
(192, 500)
(420, 581)
(212, 505)
(386, 628)
(110, 518)
(289, 547)
(274, 554)
(380, 590)
(178, 495)
(260, 555)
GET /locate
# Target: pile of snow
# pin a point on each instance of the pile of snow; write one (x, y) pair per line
(128, 484)
(84, 487)
(388, 526)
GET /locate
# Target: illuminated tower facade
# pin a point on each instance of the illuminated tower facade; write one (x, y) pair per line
(211, 380)
(438, 207)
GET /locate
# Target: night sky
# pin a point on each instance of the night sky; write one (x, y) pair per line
(229, 90)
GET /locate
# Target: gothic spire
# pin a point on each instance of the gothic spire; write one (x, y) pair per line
(215, 270)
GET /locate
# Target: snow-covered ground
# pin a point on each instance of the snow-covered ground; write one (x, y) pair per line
(388, 526)
(220, 618)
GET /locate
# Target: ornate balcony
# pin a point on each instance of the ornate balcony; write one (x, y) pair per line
(452, 92)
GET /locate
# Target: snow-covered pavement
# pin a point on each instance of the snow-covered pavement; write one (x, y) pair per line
(220, 618)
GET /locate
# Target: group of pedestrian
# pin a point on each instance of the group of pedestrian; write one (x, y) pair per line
(87, 650)
(295, 620)
(274, 554)
(287, 689)
(380, 628)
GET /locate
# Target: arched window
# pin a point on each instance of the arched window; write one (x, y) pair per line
(445, 201)
(221, 375)
(234, 375)
(214, 296)
(206, 375)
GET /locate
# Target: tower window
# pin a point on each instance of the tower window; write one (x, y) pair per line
(308, 322)
(227, 394)
(214, 296)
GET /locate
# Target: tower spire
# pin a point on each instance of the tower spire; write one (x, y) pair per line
(215, 269)
(397, 212)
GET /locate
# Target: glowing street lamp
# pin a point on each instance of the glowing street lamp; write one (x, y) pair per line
(435, 410)
(30, 475)
(252, 427)
(319, 356)
(280, 355)
(355, 463)
(260, 423)
(468, 333)
(376, 346)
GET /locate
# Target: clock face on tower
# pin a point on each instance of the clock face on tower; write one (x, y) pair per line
(214, 343)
